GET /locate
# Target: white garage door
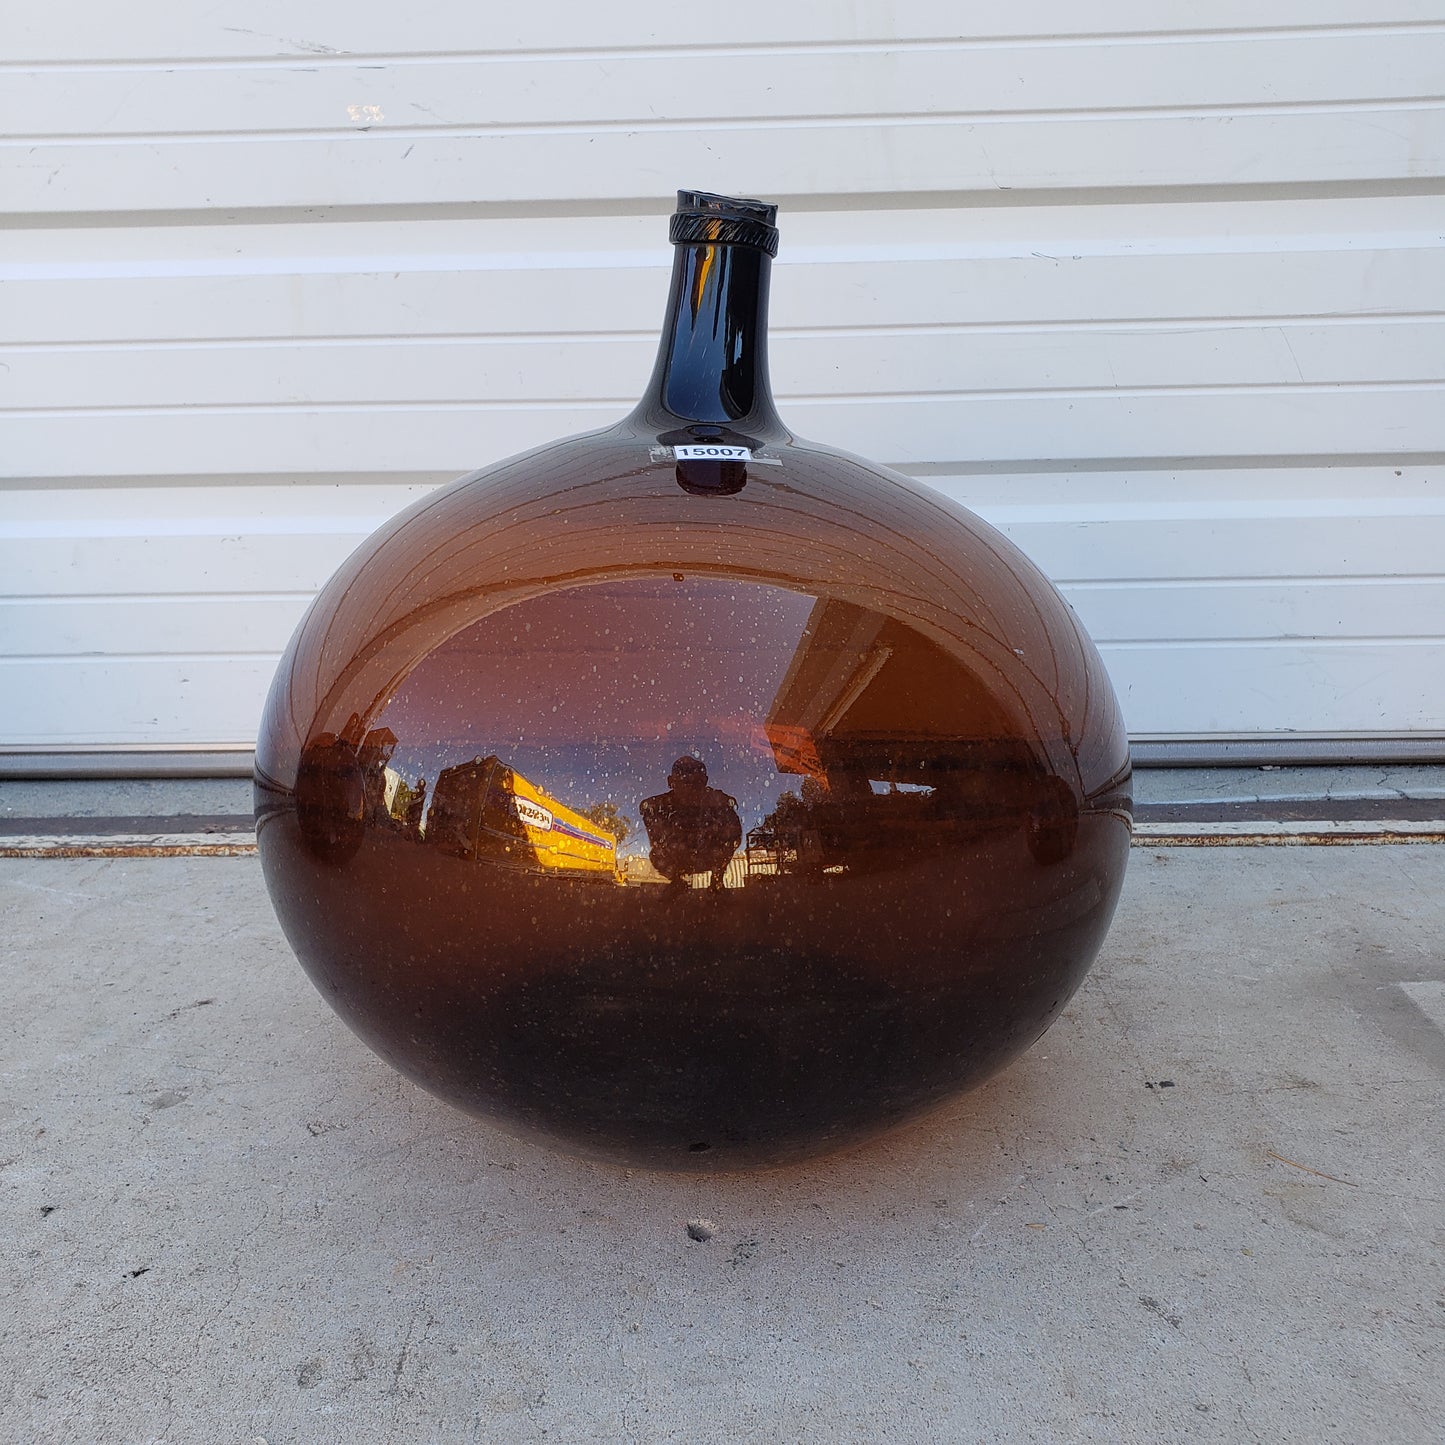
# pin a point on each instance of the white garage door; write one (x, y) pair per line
(1164, 300)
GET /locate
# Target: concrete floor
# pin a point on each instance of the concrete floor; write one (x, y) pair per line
(227, 1221)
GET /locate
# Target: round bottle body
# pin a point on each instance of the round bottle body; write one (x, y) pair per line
(693, 812)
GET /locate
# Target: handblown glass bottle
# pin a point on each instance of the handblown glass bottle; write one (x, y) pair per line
(689, 793)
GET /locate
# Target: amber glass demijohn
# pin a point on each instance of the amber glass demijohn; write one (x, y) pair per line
(688, 793)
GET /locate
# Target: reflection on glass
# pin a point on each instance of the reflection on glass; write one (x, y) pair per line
(486, 811)
(918, 841)
(693, 829)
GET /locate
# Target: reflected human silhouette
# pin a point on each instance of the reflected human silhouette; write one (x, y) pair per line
(691, 828)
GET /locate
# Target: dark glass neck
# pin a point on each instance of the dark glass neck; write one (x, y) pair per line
(712, 364)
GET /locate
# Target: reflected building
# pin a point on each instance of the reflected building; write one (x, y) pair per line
(902, 749)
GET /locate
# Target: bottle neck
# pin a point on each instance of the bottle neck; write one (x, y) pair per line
(712, 364)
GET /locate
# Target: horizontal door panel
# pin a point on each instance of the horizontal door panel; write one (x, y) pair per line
(1183, 690)
(1221, 422)
(372, 169)
(895, 363)
(415, 295)
(177, 30)
(1359, 687)
(491, 93)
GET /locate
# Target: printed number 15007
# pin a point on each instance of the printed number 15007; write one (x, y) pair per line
(712, 452)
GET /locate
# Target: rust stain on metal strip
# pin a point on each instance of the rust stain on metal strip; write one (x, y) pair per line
(133, 850)
(1281, 840)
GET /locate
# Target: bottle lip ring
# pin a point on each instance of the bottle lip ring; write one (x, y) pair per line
(703, 217)
(736, 207)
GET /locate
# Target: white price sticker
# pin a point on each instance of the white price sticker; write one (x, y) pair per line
(712, 452)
